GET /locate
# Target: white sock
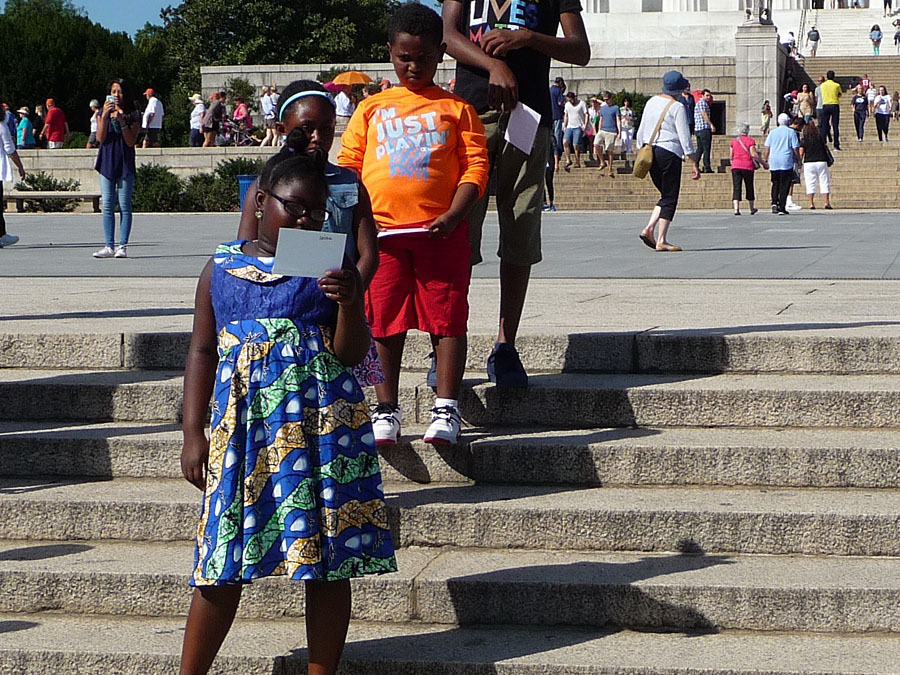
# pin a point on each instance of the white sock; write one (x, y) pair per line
(441, 402)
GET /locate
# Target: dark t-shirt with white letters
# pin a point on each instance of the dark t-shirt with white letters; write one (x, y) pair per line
(531, 68)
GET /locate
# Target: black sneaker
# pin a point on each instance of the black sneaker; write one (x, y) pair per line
(774, 208)
(504, 368)
(431, 378)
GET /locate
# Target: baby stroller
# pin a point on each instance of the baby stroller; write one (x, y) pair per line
(242, 132)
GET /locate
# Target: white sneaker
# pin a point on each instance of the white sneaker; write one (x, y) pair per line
(121, 252)
(8, 240)
(445, 426)
(386, 422)
(105, 252)
(791, 206)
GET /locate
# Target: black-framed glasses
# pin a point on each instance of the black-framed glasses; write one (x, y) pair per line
(298, 210)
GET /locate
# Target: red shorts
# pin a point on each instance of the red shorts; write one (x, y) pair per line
(421, 283)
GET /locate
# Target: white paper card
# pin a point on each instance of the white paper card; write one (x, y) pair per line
(403, 230)
(522, 127)
(306, 253)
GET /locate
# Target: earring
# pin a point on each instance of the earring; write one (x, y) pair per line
(258, 214)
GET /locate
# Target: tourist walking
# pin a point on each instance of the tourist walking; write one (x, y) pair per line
(744, 162)
(152, 123)
(558, 112)
(687, 100)
(213, 119)
(882, 105)
(610, 131)
(812, 41)
(765, 118)
(56, 129)
(38, 122)
(875, 35)
(704, 129)
(267, 106)
(820, 115)
(196, 121)
(670, 146)
(276, 485)
(627, 114)
(25, 130)
(806, 102)
(8, 157)
(831, 93)
(782, 146)
(888, 10)
(117, 132)
(860, 106)
(575, 120)
(816, 162)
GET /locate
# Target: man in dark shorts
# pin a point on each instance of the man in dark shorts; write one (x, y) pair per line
(502, 60)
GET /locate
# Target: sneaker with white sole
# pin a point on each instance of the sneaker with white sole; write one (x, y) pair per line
(105, 252)
(445, 426)
(121, 251)
(791, 206)
(8, 240)
(386, 421)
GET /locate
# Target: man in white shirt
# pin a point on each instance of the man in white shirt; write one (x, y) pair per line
(343, 106)
(153, 120)
(575, 119)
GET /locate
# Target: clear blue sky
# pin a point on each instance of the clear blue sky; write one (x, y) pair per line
(124, 16)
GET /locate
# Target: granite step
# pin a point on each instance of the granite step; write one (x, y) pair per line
(488, 586)
(555, 400)
(695, 351)
(35, 644)
(859, 458)
(808, 521)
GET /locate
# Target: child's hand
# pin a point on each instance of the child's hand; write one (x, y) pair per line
(342, 286)
(194, 456)
(443, 225)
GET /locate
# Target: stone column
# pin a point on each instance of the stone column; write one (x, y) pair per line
(759, 63)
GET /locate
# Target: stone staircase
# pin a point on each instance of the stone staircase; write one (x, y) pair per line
(845, 32)
(654, 503)
(865, 176)
(882, 70)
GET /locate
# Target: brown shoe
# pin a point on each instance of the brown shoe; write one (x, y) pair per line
(667, 247)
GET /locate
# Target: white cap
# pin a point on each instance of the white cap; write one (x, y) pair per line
(784, 119)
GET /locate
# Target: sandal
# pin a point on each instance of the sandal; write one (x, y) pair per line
(667, 247)
(648, 240)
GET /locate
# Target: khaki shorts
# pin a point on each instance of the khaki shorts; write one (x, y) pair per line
(519, 192)
(605, 140)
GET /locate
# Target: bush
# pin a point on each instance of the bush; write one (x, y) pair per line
(224, 193)
(198, 193)
(42, 182)
(156, 188)
(78, 140)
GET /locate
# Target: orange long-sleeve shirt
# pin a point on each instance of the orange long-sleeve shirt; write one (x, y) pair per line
(412, 150)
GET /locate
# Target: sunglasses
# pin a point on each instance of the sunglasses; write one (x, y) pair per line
(298, 210)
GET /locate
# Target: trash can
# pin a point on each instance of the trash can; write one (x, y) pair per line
(244, 183)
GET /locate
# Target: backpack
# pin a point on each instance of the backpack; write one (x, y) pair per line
(813, 36)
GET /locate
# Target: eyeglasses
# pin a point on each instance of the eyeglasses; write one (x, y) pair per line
(298, 210)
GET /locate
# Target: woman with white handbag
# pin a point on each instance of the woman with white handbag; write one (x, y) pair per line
(664, 129)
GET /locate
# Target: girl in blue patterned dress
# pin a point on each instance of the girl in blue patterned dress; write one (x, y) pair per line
(290, 473)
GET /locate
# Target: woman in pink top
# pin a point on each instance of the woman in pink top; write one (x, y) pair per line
(241, 114)
(744, 162)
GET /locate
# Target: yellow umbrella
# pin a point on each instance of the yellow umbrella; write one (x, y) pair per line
(352, 77)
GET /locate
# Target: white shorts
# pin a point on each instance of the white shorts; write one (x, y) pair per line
(817, 172)
(605, 140)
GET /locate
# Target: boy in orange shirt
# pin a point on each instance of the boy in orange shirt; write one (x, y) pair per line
(422, 155)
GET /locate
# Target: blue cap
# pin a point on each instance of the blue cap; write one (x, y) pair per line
(674, 83)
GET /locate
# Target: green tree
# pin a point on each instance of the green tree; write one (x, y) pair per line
(60, 53)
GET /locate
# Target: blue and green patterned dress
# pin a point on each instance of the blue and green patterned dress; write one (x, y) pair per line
(293, 485)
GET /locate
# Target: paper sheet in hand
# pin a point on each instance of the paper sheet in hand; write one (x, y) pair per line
(522, 127)
(306, 253)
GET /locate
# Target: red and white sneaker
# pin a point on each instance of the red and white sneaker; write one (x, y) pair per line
(386, 421)
(445, 426)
